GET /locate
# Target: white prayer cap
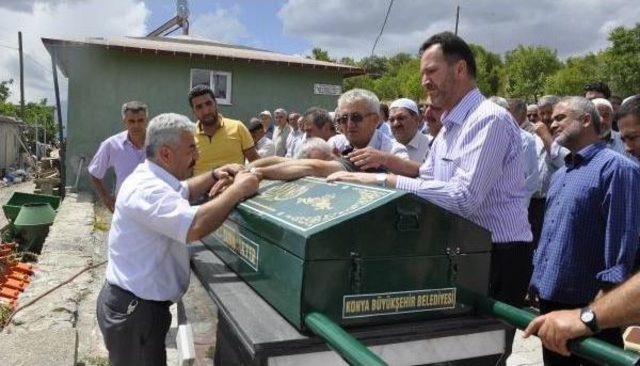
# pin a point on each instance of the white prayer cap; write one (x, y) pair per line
(405, 103)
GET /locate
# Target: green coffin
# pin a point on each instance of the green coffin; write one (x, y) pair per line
(358, 254)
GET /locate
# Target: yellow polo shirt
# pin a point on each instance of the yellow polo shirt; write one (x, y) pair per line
(226, 146)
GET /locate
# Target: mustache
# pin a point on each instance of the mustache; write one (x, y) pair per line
(192, 164)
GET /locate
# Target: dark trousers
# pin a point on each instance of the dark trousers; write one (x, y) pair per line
(134, 330)
(511, 268)
(536, 218)
(613, 336)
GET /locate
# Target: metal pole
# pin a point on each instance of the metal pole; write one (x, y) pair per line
(592, 349)
(349, 348)
(457, 18)
(63, 169)
(21, 76)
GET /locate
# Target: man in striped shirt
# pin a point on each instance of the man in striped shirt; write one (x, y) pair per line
(474, 168)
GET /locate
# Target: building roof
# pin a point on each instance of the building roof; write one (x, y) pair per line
(11, 120)
(195, 47)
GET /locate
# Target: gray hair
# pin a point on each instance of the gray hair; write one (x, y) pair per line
(532, 107)
(548, 100)
(165, 129)
(500, 101)
(134, 106)
(313, 144)
(583, 105)
(360, 95)
(518, 108)
(280, 111)
(602, 102)
(319, 117)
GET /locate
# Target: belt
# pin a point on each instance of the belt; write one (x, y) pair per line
(122, 291)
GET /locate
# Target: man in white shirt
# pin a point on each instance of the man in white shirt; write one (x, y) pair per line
(264, 145)
(609, 136)
(153, 221)
(281, 132)
(295, 135)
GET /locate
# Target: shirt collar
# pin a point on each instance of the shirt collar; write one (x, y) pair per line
(584, 155)
(459, 112)
(163, 175)
(415, 141)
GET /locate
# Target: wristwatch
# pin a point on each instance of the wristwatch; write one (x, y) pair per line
(381, 179)
(588, 317)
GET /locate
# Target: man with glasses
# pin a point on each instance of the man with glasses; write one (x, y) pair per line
(281, 132)
(362, 143)
(474, 168)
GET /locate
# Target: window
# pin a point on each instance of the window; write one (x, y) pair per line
(218, 81)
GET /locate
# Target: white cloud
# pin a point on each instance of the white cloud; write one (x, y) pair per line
(221, 25)
(58, 19)
(350, 27)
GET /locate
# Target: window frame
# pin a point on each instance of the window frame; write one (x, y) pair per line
(212, 73)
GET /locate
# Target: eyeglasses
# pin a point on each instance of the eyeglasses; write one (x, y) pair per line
(355, 117)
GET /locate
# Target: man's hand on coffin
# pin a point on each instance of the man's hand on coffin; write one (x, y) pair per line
(228, 170)
(363, 178)
(246, 184)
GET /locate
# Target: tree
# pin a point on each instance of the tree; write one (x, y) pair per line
(320, 54)
(571, 79)
(374, 65)
(489, 67)
(621, 61)
(527, 69)
(4, 90)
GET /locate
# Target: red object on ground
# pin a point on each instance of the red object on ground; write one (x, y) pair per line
(9, 292)
(25, 268)
(19, 276)
(15, 284)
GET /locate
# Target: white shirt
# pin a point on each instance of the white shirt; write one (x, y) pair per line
(148, 238)
(418, 147)
(474, 169)
(530, 164)
(548, 164)
(280, 135)
(615, 143)
(379, 141)
(265, 147)
(292, 139)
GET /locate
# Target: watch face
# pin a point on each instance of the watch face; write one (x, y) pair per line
(586, 316)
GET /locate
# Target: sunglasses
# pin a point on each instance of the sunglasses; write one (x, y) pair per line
(355, 117)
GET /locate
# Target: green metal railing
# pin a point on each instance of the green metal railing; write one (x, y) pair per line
(592, 349)
(349, 348)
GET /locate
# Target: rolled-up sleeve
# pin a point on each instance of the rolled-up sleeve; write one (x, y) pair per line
(100, 162)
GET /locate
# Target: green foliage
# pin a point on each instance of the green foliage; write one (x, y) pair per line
(576, 73)
(4, 90)
(320, 54)
(527, 69)
(621, 61)
(34, 113)
(489, 68)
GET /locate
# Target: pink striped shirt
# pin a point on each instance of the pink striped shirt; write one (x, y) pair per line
(474, 169)
(119, 153)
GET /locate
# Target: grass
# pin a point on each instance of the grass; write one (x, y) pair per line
(5, 311)
(100, 225)
(94, 361)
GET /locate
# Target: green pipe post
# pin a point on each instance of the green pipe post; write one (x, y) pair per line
(593, 349)
(349, 348)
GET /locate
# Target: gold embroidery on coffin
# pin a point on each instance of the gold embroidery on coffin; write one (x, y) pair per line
(284, 192)
(318, 203)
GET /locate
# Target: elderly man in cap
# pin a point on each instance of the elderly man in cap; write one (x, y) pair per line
(281, 132)
(264, 145)
(608, 135)
(405, 118)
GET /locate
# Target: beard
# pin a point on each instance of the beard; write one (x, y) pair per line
(570, 134)
(210, 119)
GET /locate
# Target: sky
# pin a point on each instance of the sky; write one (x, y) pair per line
(343, 27)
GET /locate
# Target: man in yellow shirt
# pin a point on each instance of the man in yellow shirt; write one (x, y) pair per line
(219, 140)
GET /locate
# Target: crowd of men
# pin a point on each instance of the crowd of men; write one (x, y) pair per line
(557, 183)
